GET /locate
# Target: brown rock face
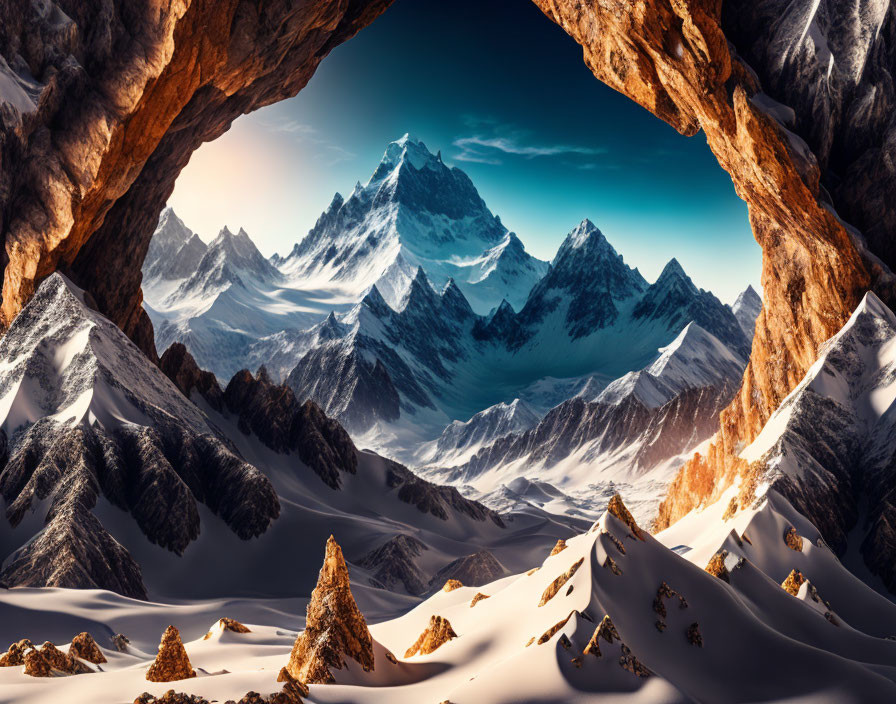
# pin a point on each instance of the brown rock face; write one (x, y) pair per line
(228, 624)
(127, 93)
(179, 366)
(559, 547)
(675, 60)
(334, 626)
(171, 663)
(793, 540)
(15, 655)
(84, 647)
(436, 634)
(618, 509)
(793, 582)
(49, 661)
(551, 590)
(451, 585)
(716, 566)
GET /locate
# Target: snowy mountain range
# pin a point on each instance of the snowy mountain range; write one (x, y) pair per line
(111, 471)
(412, 316)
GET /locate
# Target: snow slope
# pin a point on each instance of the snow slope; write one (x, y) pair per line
(691, 635)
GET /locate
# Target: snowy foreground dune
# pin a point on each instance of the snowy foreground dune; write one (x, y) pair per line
(614, 615)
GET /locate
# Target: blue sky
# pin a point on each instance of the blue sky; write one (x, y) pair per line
(505, 95)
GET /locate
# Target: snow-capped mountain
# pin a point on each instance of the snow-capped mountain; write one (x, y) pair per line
(415, 211)
(86, 415)
(746, 309)
(230, 300)
(110, 473)
(436, 361)
(695, 359)
(830, 448)
(463, 439)
(636, 432)
(174, 251)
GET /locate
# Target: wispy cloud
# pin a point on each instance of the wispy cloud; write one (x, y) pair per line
(328, 150)
(493, 140)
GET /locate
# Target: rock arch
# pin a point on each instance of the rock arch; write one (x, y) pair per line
(125, 92)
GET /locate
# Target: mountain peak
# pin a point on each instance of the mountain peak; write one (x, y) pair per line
(407, 150)
(673, 272)
(583, 232)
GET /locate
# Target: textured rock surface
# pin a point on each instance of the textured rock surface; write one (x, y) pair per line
(121, 96)
(84, 647)
(272, 412)
(171, 663)
(15, 654)
(49, 661)
(551, 590)
(335, 629)
(436, 634)
(226, 624)
(179, 366)
(675, 59)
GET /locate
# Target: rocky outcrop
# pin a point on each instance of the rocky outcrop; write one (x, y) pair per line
(118, 99)
(434, 636)
(226, 624)
(84, 647)
(49, 661)
(551, 590)
(476, 599)
(558, 548)
(179, 366)
(472, 570)
(171, 697)
(435, 498)
(272, 412)
(716, 566)
(335, 629)
(15, 654)
(617, 508)
(171, 663)
(677, 60)
(452, 584)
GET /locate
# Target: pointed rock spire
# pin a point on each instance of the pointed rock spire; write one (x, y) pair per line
(334, 626)
(436, 634)
(617, 508)
(172, 662)
(84, 647)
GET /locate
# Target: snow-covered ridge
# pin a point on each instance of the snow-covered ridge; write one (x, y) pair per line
(830, 448)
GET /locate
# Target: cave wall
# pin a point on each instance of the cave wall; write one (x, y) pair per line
(123, 93)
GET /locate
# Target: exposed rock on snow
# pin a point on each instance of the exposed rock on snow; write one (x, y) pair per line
(451, 585)
(792, 539)
(334, 627)
(15, 654)
(171, 663)
(225, 624)
(272, 412)
(617, 508)
(49, 661)
(84, 647)
(554, 587)
(476, 599)
(559, 547)
(179, 366)
(171, 697)
(435, 636)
